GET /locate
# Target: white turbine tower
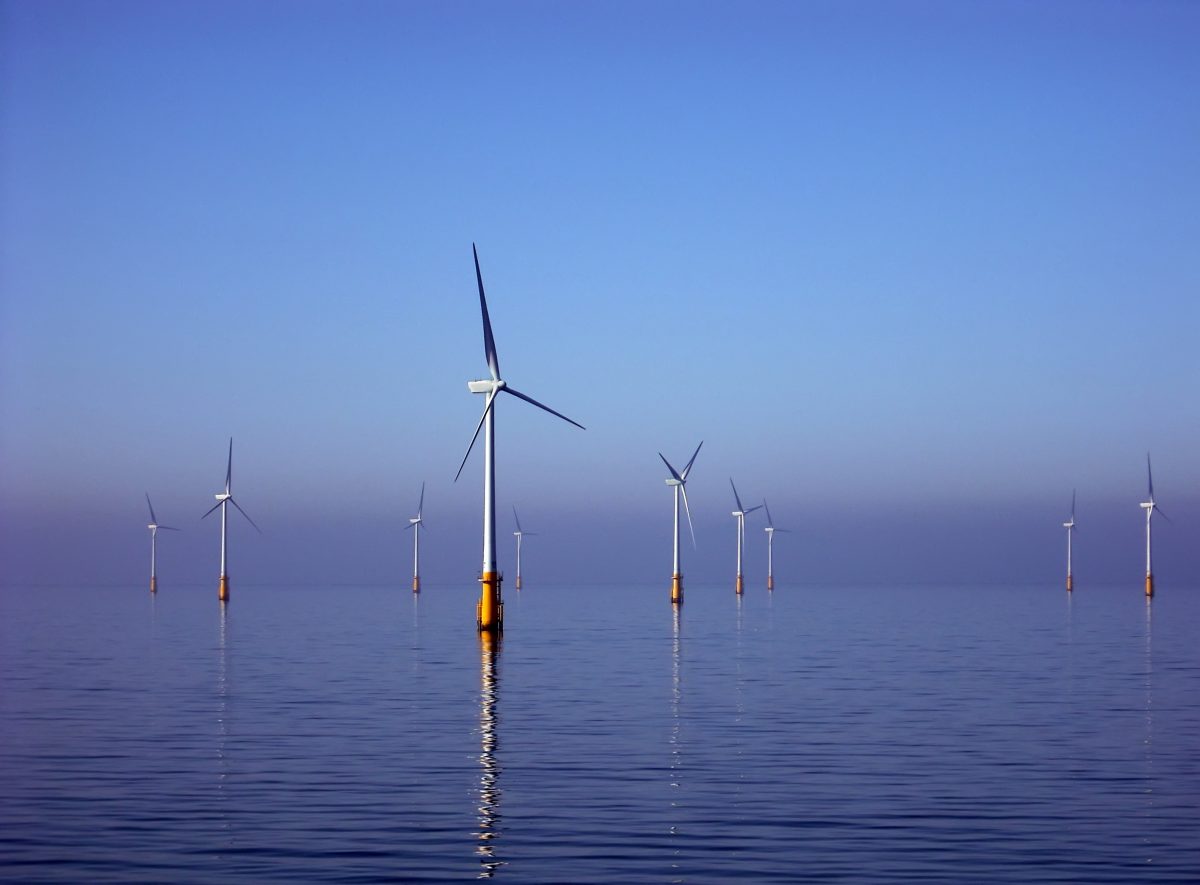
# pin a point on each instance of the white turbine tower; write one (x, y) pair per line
(415, 524)
(770, 530)
(489, 614)
(1150, 507)
(519, 535)
(223, 498)
(154, 527)
(1070, 527)
(678, 481)
(740, 516)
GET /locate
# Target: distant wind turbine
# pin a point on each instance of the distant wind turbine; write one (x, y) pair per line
(489, 614)
(154, 527)
(1070, 527)
(223, 498)
(415, 524)
(678, 481)
(770, 530)
(1150, 506)
(519, 536)
(740, 516)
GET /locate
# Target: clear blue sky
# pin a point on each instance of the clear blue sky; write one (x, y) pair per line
(911, 270)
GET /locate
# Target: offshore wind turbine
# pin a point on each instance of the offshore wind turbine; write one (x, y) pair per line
(770, 530)
(519, 536)
(678, 482)
(415, 524)
(1150, 507)
(1070, 527)
(224, 498)
(154, 527)
(489, 614)
(740, 516)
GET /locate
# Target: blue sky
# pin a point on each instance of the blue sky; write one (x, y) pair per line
(911, 270)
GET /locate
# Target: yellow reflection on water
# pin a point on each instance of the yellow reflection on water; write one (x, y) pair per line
(489, 778)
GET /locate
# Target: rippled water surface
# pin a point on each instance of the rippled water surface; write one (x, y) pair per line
(961, 734)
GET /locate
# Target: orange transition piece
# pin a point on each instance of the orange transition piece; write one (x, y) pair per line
(153, 584)
(489, 614)
(416, 584)
(770, 582)
(1070, 584)
(518, 582)
(739, 587)
(677, 588)
(1149, 585)
(223, 589)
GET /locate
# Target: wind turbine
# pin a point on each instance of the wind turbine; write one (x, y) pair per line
(1150, 507)
(678, 481)
(154, 527)
(489, 614)
(415, 524)
(1070, 527)
(740, 516)
(770, 530)
(223, 498)
(519, 535)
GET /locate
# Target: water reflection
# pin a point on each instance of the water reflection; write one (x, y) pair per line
(1148, 744)
(676, 763)
(489, 779)
(223, 721)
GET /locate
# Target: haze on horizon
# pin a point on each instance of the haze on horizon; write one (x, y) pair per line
(913, 272)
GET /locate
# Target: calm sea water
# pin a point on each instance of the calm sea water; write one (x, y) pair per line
(960, 734)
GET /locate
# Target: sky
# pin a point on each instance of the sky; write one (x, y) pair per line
(912, 271)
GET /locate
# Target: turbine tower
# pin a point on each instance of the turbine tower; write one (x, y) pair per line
(770, 530)
(1150, 507)
(518, 534)
(223, 498)
(740, 516)
(489, 614)
(1070, 527)
(154, 527)
(678, 481)
(415, 524)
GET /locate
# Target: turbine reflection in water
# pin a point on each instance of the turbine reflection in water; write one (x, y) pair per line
(223, 722)
(1149, 824)
(676, 752)
(489, 779)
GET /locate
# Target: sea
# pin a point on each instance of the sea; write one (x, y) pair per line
(964, 733)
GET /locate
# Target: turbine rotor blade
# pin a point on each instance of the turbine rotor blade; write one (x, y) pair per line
(169, 528)
(489, 343)
(770, 522)
(687, 510)
(674, 473)
(691, 460)
(1163, 515)
(153, 518)
(517, 519)
(741, 509)
(487, 407)
(421, 501)
(1072, 505)
(530, 399)
(752, 509)
(245, 514)
(214, 507)
(229, 467)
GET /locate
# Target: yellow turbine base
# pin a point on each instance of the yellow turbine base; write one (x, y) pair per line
(223, 589)
(518, 582)
(739, 588)
(677, 588)
(1149, 585)
(770, 582)
(416, 584)
(489, 613)
(153, 584)
(1070, 584)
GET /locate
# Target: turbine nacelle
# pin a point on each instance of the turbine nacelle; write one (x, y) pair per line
(486, 385)
(223, 496)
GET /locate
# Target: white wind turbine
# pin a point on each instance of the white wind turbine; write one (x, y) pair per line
(489, 614)
(1070, 527)
(740, 516)
(223, 498)
(415, 524)
(1150, 507)
(519, 535)
(770, 530)
(154, 527)
(678, 481)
